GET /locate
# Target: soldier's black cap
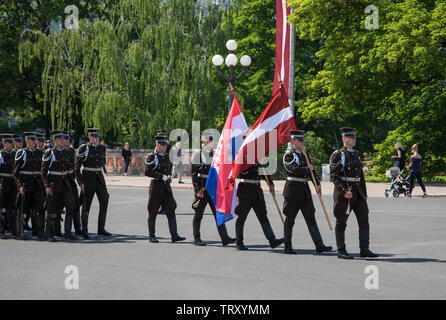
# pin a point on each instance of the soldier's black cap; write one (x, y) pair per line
(348, 132)
(40, 137)
(161, 137)
(30, 135)
(57, 134)
(18, 138)
(297, 134)
(7, 137)
(94, 132)
(66, 135)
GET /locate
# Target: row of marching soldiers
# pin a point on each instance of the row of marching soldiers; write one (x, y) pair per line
(40, 183)
(349, 194)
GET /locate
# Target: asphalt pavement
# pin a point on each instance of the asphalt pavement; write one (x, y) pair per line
(408, 233)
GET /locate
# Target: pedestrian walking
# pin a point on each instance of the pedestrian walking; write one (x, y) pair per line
(415, 170)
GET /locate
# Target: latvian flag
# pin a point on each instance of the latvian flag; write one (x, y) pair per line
(270, 132)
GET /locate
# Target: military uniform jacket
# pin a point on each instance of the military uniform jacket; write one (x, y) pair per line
(56, 161)
(155, 166)
(296, 166)
(201, 164)
(6, 168)
(343, 164)
(91, 158)
(251, 191)
(28, 161)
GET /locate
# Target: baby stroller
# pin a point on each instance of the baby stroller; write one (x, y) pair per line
(399, 184)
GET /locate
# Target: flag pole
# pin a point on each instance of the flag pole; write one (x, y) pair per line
(315, 187)
(273, 195)
(291, 71)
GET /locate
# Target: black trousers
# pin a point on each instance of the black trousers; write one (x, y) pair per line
(412, 177)
(31, 203)
(101, 192)
(62, 196)
(8, 198)
(199, 205)
(291, 207)
(245, 205)
(358, 205)
(166, 200)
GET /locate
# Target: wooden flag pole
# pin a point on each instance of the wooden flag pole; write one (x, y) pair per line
(273, 195)
(315, 187)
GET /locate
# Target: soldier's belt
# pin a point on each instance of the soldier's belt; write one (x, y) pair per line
(250, 181)
(351, 179)
(297, 179)
(30, 173)
(7, 175)
(92, 169)
(203, 175)
(58, 173)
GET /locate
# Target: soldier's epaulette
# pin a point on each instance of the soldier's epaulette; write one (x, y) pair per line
(47, 155)
(19, 154)
(82, 151)
(150, 159)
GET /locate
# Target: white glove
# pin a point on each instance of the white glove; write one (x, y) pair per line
(165, 177)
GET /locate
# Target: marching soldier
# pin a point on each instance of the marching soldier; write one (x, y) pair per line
(350, 193)
(8, 192)
(29, 183)
(18, 145)
(90, 157)
(71, 158)
(158, 166)
(297, 193)
(250, 196)
(56, 165)
(201, 164)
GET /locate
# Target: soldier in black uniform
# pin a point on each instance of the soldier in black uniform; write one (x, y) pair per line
(297, 193)
(350, 193)
(8, 192)
(158, 166)
(250, 196)
(71, 157)
(18, 145)
(55, 175)
(29, 183)
(201, 164)
(90, 157)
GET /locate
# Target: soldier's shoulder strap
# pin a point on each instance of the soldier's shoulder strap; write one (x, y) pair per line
(21, 153)
(337, 158)
(47, 155)
(83, 150)
(151, 159)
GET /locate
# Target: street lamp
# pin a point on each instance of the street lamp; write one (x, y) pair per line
(231, 61)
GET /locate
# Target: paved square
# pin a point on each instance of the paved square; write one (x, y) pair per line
(409, 233)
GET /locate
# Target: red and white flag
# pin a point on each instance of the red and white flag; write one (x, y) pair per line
(282, 46)
(270, 132)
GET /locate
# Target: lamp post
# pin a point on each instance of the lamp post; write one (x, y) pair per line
(231, 61)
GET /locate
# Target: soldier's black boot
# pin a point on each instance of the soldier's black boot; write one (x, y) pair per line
(26, 224)
(84, 220)
(67, 227)
(49, 227)
(340, 243)
(77, 222)
(152, 237)
(173, 230)
(287, 234)
(239, 245)
(196, 232)
(317, 239)
(225, 238)
(269, 234)
(2, 224)
(101, 224)
(364, 236)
